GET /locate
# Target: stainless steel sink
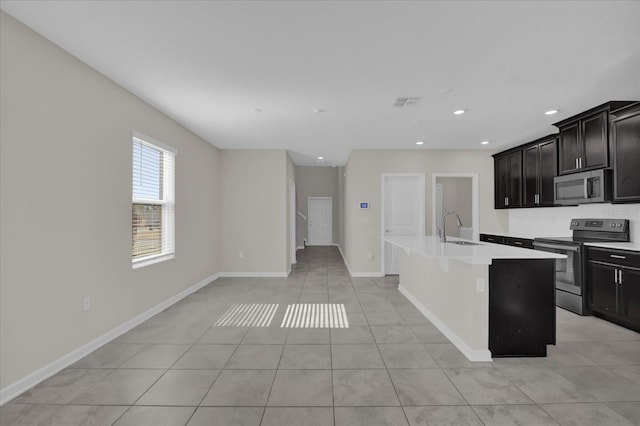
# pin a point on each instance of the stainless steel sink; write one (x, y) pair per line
(464, 243)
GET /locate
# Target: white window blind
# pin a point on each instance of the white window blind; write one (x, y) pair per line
(153, 202)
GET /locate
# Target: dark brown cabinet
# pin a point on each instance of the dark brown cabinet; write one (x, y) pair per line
(522, 311)
(519, 242)
(603, 288)
(495, 239)
(540, 167)
(508, 179)
(613, 282)
(583, 142)
(625, 148)
(510, 241)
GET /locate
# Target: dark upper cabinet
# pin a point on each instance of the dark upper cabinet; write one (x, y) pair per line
(584, 139)
(540, 167)
(569, 150)
(625, 148)
(508, 180)
(594, 141)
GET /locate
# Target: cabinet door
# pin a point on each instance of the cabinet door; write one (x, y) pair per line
(501, 174)
(568, 151)
(602, 288)
(595, 146)
(514, 190)
(548, 170)
(625, 138)
(531, 172)
(630, 297)
(495, 239)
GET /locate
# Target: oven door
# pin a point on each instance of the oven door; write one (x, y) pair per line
(569, 270)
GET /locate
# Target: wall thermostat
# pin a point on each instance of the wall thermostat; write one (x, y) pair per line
(364, 205)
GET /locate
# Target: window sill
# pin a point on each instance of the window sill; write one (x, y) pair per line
(141, 263)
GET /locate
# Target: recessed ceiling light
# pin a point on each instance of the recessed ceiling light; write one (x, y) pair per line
(419, 143)
(551, 112)
(485, 143)
(320, 158)
(459, 111)
(318, 110)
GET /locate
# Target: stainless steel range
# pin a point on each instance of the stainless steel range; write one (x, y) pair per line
(570, 280)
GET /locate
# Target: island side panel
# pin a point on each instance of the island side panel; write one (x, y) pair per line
(453, 296)
(522, 319)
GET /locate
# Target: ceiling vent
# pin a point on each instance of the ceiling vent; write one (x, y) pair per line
(407, 102)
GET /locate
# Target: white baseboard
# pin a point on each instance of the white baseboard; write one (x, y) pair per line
(357, 274)
(253, 274)
(29, 381)
(474, 355)
(300, 248)
(366, 274)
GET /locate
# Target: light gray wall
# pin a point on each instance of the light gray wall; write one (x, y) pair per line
(314, 181)
(65, 204)
(364, 169)
(341, 201)
(253, 211)
(457, 196)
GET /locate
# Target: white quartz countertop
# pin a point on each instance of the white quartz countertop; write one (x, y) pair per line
(634, 246)
(480, 254)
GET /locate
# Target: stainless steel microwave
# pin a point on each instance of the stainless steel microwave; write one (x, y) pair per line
(582, 188)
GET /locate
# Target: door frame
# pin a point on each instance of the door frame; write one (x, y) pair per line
(475, 210)
(293, 217)
(421, 203)
(330, 220)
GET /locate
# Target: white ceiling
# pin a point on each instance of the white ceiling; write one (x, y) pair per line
(209, 64)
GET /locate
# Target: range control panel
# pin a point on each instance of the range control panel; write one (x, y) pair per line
(603, 225)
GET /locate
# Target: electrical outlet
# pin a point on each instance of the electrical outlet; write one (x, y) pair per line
(86, 304)
(480, 285)
(370, 256)
(241, 255)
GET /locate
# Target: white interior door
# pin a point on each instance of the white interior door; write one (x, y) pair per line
(403, 213)
(320, 227)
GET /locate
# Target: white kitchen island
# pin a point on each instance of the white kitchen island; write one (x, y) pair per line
(488, 299)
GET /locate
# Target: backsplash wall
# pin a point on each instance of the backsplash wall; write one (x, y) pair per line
(554, 221)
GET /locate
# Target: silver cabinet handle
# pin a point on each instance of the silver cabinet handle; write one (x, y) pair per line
(580, 161)
(617, 256)
(619, 276)
(506, 202)
(615, 276)
(537, 198)
(518, 243)
(577, 166)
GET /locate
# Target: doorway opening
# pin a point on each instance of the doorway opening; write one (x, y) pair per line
(457, 192)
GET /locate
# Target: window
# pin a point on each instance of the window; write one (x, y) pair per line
(153, 202)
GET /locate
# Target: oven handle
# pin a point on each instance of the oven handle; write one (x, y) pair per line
(554, 246)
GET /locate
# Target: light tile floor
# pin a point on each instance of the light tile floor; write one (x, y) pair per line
(391, 367)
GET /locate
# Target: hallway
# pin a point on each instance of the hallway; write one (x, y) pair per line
(389, 367)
